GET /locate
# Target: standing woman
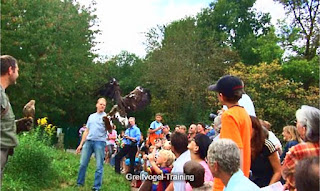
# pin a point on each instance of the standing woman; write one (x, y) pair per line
(290, 134)
(265, 163)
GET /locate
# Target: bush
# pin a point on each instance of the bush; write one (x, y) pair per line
(32, 161)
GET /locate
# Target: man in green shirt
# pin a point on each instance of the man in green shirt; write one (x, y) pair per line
(9, 75)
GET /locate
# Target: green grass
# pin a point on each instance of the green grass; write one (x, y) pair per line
(37, 166)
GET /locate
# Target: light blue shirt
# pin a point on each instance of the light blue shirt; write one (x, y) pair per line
(97, 130)
(155, 125)
(134, 132)
(238, 182)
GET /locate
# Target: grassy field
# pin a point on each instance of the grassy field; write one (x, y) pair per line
(37, 166)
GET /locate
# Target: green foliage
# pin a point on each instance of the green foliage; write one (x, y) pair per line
(237, 25)
(179, 72)
(37, 166)
(32, 161)
(302, 71)
(306, 18)
(275, 98)
(267, 47)
(52, 41)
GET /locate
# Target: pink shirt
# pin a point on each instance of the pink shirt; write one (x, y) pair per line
(207, 175)
(112, 135)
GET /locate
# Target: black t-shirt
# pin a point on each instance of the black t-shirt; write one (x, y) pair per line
(261, 167)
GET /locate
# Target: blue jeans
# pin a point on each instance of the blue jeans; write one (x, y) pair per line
(89, 147)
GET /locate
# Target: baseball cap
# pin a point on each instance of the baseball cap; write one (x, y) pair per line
(227, 85)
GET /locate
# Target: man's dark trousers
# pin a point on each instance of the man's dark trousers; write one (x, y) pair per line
(132, 150)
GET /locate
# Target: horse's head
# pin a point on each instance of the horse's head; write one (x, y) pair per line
(109, 89)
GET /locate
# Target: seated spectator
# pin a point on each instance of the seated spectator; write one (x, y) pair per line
(308, 119)
(192, 131)
(224, 162)
(198, 149)
(183, 129)
(201, 128)
(167, 145)
(195, 169)
(179, 146)
(307, 172)
(217, 127)
(210, 132)
(290, 134)
(161, 166)
(166, 132)
(177, 128)
(265, 163)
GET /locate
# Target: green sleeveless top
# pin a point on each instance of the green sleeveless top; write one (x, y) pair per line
(8, 126)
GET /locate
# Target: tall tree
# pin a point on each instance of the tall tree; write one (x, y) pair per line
(235, 24)
(306, 18)
(52, 41)
(180, 68)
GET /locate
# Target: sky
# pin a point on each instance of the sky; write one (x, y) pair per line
(123, 23)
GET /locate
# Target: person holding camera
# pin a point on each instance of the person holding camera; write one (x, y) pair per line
(130, 140)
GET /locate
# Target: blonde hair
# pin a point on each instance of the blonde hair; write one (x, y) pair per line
(183, 127)
(167, 154)
(292, 130)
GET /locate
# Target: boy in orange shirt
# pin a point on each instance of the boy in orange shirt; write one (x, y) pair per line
(235, 122)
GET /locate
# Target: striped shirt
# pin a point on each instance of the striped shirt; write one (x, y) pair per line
(297, 153)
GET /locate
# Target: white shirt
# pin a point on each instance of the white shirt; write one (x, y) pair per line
(246, 102)
(275, 141)
(178, 169)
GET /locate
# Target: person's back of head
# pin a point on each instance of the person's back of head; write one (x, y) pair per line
(309, 117)
(179, 142)
(230, 87)
(226, 154)
(307, 174)
(203, 142)
(292, 131)
(195, 171)
(258, 137)
(217, 123)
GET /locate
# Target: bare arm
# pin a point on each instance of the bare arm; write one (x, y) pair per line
(275, 163)
(170, 187)
(84, 138)
(241, 159)
(154, 130)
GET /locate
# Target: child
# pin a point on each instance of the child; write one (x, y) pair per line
(235, 122)
(196, 172)
(161, 165)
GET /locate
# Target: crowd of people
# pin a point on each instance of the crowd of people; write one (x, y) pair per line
(250, 153)
(238, 152)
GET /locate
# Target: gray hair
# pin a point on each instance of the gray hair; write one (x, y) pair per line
(309, 117)
(226, 153)
(217, 123)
